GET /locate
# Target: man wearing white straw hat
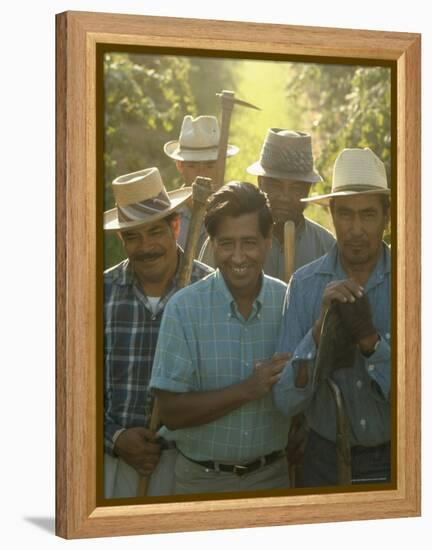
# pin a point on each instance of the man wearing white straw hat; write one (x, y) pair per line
(135, 294)
(354, 279)
(195, 154)
(285, 171)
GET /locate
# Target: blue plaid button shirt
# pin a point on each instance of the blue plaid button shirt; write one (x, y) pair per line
(206, 344)
(130, 334)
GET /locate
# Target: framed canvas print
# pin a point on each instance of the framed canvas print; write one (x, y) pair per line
(147, 104)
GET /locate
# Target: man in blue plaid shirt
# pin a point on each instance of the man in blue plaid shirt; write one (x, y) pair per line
(214, 365)
(135, 294)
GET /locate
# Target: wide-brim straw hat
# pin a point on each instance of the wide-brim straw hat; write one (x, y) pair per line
(286, 155)
(355, 172)
(141, 198)
(198, 141)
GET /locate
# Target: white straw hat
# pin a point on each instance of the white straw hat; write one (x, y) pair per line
(286, 154)
(141, 198)
(198, 141)
(356, 171)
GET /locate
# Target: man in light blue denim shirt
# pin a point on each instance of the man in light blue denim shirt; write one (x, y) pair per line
(355, 275)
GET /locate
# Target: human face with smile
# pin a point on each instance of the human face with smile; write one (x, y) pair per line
(359, 222)
(240, 251)
(152, 251)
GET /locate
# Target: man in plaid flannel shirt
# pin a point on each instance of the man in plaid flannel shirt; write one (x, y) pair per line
(135, 294)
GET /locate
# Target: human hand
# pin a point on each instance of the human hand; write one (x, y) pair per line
(346, 291)
(265, 374)
(357, 318)
(139, 448)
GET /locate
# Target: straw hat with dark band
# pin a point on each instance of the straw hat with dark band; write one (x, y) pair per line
(355, 172)
(141, 198)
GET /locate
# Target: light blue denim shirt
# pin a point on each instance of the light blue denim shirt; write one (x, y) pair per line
(366, 385)
(205, 344)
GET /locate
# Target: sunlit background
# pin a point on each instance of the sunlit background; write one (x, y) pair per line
(147, 96)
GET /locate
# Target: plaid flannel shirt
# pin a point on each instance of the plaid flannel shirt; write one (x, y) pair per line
(130, 334)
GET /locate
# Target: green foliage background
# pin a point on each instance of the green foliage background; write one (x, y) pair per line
(147, 96)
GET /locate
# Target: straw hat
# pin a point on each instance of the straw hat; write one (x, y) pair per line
(198, 141)
(356, 171)
(141, 198)
(286, 154)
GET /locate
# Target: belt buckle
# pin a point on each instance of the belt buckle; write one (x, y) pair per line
(239, 469)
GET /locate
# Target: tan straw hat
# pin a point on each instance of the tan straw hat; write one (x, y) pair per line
(141, 198)
(286, 154)
(356, 171)
(198, 141)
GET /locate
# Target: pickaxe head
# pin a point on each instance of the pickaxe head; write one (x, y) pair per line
(228, 98)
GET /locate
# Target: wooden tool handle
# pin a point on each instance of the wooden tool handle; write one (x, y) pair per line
(154, 425)
(289, 249)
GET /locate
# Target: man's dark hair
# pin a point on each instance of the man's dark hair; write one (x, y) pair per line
(235, 199)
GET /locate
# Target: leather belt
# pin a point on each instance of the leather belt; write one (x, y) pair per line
(239, 469)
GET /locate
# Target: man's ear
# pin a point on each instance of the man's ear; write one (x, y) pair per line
(175, 226)
(270, 237)
(179, 166)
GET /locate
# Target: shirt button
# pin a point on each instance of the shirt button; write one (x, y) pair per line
(363, 423)
(359, 384)
(309, 355)
(246, 433)
(387, 336)
(371, 368)
(153, 318)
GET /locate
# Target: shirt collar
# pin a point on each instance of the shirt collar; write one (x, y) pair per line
(225, 293)
(331, 265)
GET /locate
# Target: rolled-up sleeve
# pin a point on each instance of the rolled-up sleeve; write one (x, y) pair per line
(295, 338)
(173, 367)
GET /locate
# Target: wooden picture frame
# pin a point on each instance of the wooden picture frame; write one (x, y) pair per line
(78, 228)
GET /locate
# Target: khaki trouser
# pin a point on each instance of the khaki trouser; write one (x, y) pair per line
(194, 478)
(122, 481)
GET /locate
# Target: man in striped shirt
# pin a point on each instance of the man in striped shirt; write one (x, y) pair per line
(135, 294)
(214, 365)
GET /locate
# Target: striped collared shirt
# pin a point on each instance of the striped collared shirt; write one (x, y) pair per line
(205, 344)
(131, 330)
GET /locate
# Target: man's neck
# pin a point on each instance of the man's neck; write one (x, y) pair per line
(359, 272)
(245, 300)
(158, 287)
